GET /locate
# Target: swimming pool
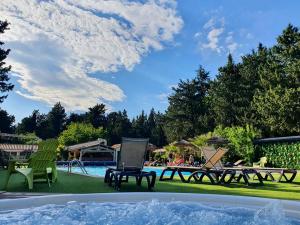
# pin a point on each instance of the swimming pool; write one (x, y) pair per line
(100, 170)
(149, 208)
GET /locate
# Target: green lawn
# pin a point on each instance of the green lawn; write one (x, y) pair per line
(83, 184)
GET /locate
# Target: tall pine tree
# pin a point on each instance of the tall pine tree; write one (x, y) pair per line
(139, 126)
(6, 122)
(277, 103)
(5, 86)
(188, 107)
(118, 126)
(57, 119)
(29, 124)
(226, 96)
(96, 116)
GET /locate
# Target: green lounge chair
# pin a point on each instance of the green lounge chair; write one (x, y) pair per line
(41, 165)
(261, 163)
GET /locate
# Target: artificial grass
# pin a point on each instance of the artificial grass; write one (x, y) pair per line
(75, 183)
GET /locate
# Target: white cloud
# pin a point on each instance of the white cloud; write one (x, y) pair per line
(197, 35)
(214, 28)
(171, 86)
(216, 38)
(213, 40)
(249, 36)
(163, 97)
(231, 44)
(210, 23)
(57, 44)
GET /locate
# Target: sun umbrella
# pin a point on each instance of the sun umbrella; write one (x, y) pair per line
(186, 145)
(183, 143)
(160, 150)
(217, 140)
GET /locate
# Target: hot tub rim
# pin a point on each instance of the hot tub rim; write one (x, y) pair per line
(290, 207)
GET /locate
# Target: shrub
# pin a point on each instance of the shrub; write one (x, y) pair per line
(80, 132)
(202, 139)
(172, 148)
(284, 155)
(240, 141)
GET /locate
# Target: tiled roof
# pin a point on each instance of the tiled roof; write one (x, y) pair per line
(18, 147)
(87, 145)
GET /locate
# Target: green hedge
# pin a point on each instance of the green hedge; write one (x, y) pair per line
(285, 155)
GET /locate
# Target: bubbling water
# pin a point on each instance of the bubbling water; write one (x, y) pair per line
(145, 213)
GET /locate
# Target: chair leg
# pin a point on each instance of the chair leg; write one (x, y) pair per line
(294, 173)
(118, 181)
(139, 180)
(231, 174)
(181, 176)
(245, 179)
(153, 175)
(126, 180)
(30, 181)
(209, 177)
(48, 180)
(194, 175)
(148, 182)
(111, 179)
(173, 171)
(107, 175)
(269, 175)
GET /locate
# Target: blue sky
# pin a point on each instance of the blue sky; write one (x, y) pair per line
(127, 54)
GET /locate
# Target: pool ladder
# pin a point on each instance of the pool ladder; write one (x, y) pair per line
(79, 163)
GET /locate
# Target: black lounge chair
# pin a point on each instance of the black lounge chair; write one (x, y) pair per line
(213, 168)
(130, 163)
(210, 169)
(236, 173)
(244, 174)
(266, 174)
(285, 174)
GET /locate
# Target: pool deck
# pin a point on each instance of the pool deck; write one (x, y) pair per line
(16, 195)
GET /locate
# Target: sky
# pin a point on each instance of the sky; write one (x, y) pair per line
(127, 54)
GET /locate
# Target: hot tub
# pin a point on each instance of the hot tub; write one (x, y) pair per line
(149, 208)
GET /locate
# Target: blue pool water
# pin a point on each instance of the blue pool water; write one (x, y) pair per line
(149, 212)
(100, 170)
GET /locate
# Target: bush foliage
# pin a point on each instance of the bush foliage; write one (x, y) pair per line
(79, 133)
(284, 155)
(202, 139)
(240, 141)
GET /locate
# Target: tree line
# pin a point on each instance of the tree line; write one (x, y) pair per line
(115, 124)
(262, 90)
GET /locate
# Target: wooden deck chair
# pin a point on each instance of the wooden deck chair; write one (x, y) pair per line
(210, 169)
(208, 152)
(214, 160)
